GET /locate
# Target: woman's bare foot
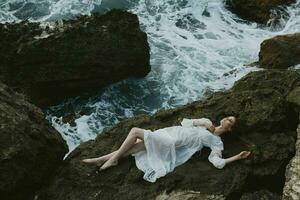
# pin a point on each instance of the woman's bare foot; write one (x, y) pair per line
(101, 161)
(88, 160)
(109, 163)
(93, 160)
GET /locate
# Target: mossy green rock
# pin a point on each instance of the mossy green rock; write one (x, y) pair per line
(30, 148)
(266, 126)
(70, 58)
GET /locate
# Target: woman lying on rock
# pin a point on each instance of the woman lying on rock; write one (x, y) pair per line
(159, 152)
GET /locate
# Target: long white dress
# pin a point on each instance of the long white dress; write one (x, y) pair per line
(169, 147)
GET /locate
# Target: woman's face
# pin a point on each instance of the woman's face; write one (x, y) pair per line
(228, 122)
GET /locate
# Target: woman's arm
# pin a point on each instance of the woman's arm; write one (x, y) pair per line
(198, 122)
(216, 159)
(204, 122)
(242, 155)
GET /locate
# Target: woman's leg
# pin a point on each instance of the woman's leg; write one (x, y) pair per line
(98, 160)
(137, 147)
(134, 134)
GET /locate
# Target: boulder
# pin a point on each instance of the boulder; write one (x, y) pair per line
(30, 148)
(280, 52)
(266, 126)
(260, 11)
(52, 61)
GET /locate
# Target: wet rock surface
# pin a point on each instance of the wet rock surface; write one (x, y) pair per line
(30, 148)
(260, 11)
(68, 58)
(50, 62)
(280, 52)
(266, 126)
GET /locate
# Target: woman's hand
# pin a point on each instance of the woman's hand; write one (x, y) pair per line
(243, 154)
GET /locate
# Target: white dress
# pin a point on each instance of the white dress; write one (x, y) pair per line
(169, 147)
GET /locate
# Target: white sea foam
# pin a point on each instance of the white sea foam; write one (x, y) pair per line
(295, 68)
(193, 43)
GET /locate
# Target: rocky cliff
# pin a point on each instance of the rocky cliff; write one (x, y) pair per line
(30, 148)
(266, 104)
(267, 127)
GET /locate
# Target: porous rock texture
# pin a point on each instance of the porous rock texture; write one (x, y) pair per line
(260, 11)
(52, 61)
(30, 148)
(260, 195)
(280, 52)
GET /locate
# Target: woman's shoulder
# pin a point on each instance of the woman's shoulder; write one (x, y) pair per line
(204, 119)
(209, 124)
(217, 142)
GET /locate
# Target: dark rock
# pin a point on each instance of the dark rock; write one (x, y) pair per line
(266, 126)
(73, 57)
(189, 22)
(294, 98)
(30, 149)
(280, 52)
(262, 195)
(206, 13)
(259, 11)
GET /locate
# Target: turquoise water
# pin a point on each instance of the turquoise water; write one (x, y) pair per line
(193, 44)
